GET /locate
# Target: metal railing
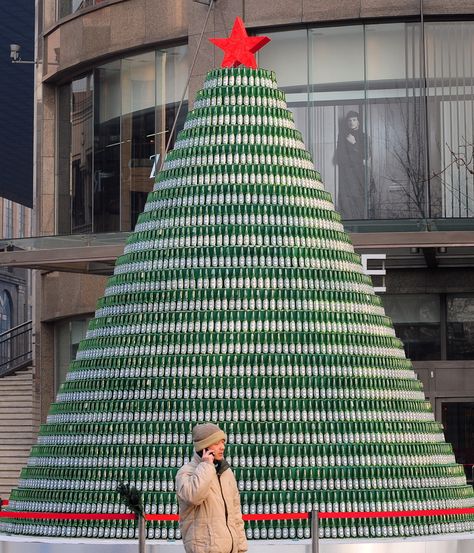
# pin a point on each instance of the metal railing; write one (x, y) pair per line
(313, 516)
(16, 349)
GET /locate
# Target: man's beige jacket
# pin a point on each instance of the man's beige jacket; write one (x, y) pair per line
(209, 509)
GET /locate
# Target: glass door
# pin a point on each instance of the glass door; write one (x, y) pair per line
(457, 417)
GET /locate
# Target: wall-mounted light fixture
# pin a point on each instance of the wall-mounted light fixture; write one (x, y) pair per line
(15, 56)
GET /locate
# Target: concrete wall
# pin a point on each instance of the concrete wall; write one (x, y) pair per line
(100, 31)
(78, 297)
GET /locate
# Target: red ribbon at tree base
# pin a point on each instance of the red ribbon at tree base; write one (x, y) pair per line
(257, 516)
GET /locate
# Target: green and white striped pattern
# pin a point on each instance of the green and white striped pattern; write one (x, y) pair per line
(239, 300)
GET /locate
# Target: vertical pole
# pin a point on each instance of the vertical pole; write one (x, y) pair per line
(314, 532)
(425, 105)
(141, 534)
(170, 137)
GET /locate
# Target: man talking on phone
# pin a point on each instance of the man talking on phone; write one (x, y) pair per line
(209, 501)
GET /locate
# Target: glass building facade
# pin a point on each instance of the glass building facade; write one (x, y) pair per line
(113, 121)
(387, 111)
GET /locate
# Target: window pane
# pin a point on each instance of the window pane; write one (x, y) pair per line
(82, 95)
(416, 319)
(138, 134)
(66, 7)
(7, 219)
(67, 336)
(337, 56)
(171, 74)
(6, 311)
(460, 317)
(78, 333)
(336, 81)
(65, 156)
(450, 79)
(288, 57)
(6, 323)
(110, 124)
(395, 141)
(21, 222)
(458, 422)
(173, 79)
(107, 112)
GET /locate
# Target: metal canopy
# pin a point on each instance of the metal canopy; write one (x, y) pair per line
(96, 254)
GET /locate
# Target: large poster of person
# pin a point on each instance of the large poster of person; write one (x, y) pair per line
(351, 158)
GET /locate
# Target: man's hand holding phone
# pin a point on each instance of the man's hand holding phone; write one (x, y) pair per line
(208, 456)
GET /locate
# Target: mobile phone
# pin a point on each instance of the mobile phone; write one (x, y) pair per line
(210, 452)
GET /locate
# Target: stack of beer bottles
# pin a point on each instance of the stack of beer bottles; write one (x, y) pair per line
(239, 300)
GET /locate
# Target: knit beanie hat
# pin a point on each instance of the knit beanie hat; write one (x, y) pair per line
(207, 434)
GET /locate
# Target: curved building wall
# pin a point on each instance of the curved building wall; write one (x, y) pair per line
(83, 31)
(114, 124)
(106, 29)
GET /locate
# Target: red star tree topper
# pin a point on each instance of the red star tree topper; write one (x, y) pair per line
(240, 48)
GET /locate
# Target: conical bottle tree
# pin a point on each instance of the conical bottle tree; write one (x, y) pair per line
(239, 300)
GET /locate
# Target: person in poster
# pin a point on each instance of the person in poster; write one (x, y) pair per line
(351, 159)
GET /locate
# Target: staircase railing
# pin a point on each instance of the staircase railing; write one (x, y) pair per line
(16, 349)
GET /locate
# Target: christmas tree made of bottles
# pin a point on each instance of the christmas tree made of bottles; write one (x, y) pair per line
(239, 300)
